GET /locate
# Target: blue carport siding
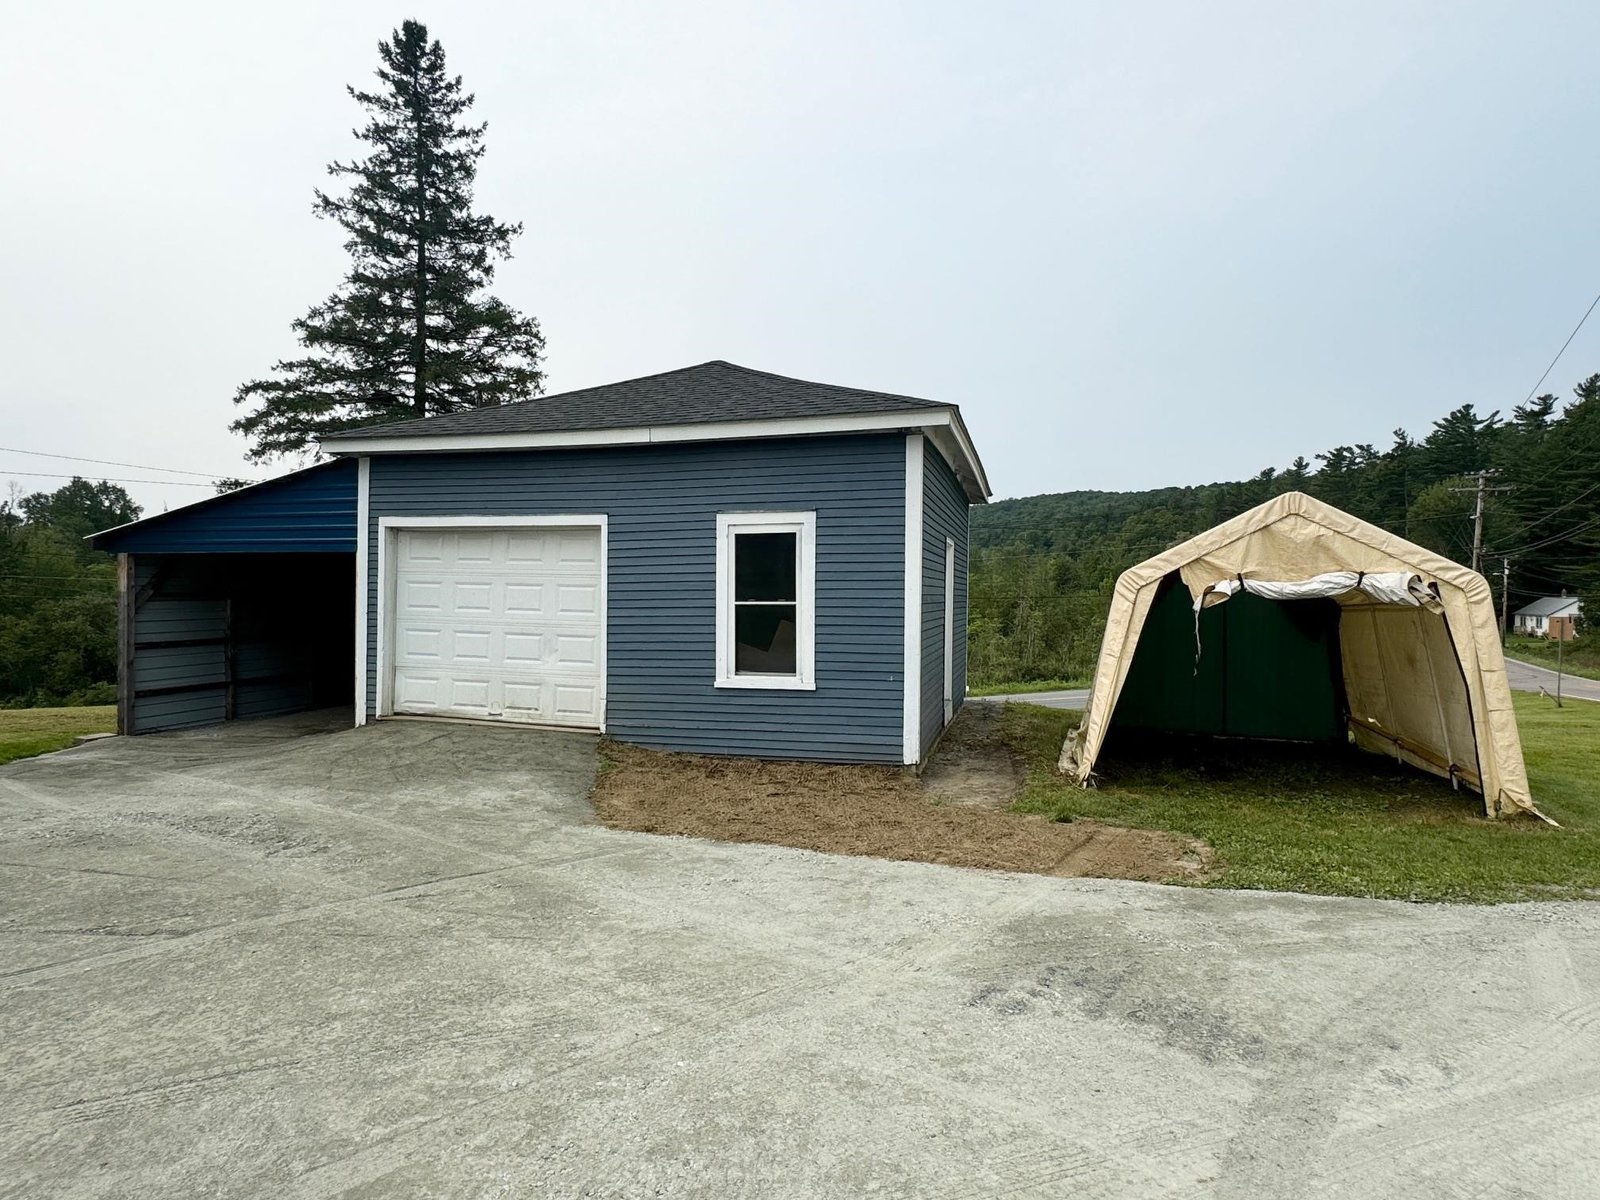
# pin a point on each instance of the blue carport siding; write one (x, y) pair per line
(241, 605)
(661, 503)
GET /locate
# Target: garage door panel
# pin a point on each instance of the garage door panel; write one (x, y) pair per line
(422, 596)
(472, 547)
(527, 547)
(577, 600)
(471, 646)
(466, 692)
(501, 625)
(526, 700)
(575, 702)
(415, 690)
(577, 650)
(476, 597)
(524, 649)
(423, 548)
(525, 600)
(421, 643)
(579, 548)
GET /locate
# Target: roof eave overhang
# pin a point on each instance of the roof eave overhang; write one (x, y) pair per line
(943, 426)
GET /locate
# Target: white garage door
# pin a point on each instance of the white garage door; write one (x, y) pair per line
(499, 624)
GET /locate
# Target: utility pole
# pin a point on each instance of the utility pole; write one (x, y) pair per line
(1482, 489)
(1505, 600)
(1559, 643)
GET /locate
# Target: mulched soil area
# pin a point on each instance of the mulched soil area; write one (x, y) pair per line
(881, 812)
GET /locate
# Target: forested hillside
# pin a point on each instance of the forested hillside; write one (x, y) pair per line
(58, 598)
(1043, 567)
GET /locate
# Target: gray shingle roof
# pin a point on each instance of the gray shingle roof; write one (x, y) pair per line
(712, 391)
(1545, 606)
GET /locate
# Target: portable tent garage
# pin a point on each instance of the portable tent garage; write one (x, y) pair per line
(1341, 631)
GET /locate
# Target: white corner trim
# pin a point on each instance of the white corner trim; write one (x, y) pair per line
(945, 423)
(363, 510)
(389, 529)
(804, 525)
(911, 732)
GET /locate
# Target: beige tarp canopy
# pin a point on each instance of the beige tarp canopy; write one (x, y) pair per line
(1423, 672)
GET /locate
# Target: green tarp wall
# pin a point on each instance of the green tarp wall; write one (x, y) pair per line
(1268, 669)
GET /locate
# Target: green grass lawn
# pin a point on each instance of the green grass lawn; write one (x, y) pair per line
(28, 731)
(1346, 824)
(1580, 657)
(1018, 687)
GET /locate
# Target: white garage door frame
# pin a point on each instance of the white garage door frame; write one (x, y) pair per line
(389, 531)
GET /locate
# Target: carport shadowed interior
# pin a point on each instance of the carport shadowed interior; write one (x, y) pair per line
(238, 606)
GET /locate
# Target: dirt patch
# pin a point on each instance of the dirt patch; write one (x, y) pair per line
(879, 812)
(972, 763)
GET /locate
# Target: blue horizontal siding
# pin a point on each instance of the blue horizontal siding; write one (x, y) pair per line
(944, 515)
(661, 503)
(308, 512)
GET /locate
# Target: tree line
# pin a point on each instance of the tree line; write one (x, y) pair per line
(1043, 567)
(58, 597)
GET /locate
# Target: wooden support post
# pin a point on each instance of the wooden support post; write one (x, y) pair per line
(125, 640)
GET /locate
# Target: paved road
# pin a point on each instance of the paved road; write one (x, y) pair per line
(1524, 677)
(1076, 698)
(276, 960)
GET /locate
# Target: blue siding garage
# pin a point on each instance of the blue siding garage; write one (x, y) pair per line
(713, 560)
(662, 503)
(944, 521)
(239, 606)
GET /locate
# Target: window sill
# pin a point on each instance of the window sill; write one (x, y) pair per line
(780, 683)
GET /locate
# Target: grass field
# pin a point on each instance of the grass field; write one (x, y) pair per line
(1018, 687)
(1346, 824)
(1577, 658)
(28, 731)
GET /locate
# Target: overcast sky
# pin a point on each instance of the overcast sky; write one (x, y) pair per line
(1139, 244)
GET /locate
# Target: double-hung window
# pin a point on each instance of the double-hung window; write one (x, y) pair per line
(766, 600)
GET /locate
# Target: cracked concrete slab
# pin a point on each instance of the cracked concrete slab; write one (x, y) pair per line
(284, 959)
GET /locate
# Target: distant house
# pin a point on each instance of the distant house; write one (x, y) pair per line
(1548, 616)
(714, 559)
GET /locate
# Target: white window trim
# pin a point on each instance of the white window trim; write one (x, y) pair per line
(804, 524)
(389, 529)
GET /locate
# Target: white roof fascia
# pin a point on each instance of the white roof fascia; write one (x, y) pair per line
(944, 424)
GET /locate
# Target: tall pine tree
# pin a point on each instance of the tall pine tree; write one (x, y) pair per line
(410, 331)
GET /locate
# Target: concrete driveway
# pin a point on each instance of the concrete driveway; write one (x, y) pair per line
(276, 961)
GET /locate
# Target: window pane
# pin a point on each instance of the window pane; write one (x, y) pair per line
(764, 638)
(763, 566)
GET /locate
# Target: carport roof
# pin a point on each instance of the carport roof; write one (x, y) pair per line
(309, 511)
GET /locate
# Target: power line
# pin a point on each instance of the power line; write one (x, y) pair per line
(1549, 541)
(106, 479)
(107, 462)
(1563, 349)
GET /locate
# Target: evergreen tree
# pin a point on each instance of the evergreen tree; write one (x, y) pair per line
(410, 331)
(1459, 443)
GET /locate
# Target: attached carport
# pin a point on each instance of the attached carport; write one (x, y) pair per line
(241, 605)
